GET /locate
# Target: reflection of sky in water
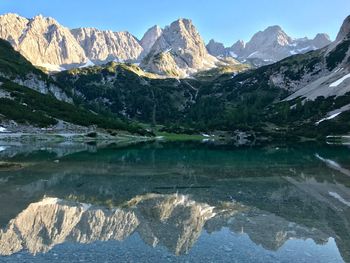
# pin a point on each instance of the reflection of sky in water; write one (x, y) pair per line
(2, 148)
(207, 204)
(222, 246)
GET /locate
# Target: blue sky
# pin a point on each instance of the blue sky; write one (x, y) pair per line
(223, 20)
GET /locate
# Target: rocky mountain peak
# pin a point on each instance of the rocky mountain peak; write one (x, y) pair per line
(12, 27)
(271, 45)
(237, 49)
(180, 51)
(271, 35)
(42, 40)
(322, 37)
(215, 48)
(150, 37)
(344, 32)
(183, 22)
(239, 44)
(45, 41)
(42, 19)
(321, 40)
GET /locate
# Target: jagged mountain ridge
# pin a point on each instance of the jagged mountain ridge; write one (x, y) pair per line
(268, 46)
(179, 51)
(150, 37)
(43, 41)
(220, 102)
(104, 46)
(154, 217)
(46, 43)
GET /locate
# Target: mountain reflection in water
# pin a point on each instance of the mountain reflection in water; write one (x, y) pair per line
(177, 196)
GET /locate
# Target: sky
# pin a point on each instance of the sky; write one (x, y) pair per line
(223, 20)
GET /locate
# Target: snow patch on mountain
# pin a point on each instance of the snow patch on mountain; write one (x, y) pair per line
(339, 81)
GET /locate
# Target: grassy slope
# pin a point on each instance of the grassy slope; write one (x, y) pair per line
(248, 101)
(31, 107)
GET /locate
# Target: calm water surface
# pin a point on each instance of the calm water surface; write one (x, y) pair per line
(174, 202)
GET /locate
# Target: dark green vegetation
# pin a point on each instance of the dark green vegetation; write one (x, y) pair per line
(193, 104)
(27, 106)
(13, 64)
(337, 55)
(117, 89)
(250, 101)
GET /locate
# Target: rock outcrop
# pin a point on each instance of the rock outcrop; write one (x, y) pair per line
(42, 40)
(105, 46)
(179, 51)
(150, 37)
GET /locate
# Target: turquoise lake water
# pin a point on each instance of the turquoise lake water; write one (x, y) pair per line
(174, 202)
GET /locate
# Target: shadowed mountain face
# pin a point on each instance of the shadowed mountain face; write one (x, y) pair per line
(178, 197)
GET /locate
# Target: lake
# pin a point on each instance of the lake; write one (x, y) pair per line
(174, 202)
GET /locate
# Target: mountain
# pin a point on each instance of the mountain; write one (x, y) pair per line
(150, 37)
(172, 221)
(308, 93)
(16, 69)
(269, 46)
(46, 43)
(301, 95)
(43, 41)
(105, 46)
(216, 49)
(126, 90)
(331, 73)
(30, 100)
(179, 51)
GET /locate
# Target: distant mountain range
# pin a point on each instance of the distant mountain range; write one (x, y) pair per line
(177, 50)
(303, 95)
(268, 46)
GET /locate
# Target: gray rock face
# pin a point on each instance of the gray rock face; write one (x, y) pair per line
(270, 45)
(321, 40)
(43, 41)
(104, 46)
(34, 82)
(179, 51)
(216, 49)
(237, 48)
(344, 32)
(150, 37)
(12, 27)
(46, 43)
